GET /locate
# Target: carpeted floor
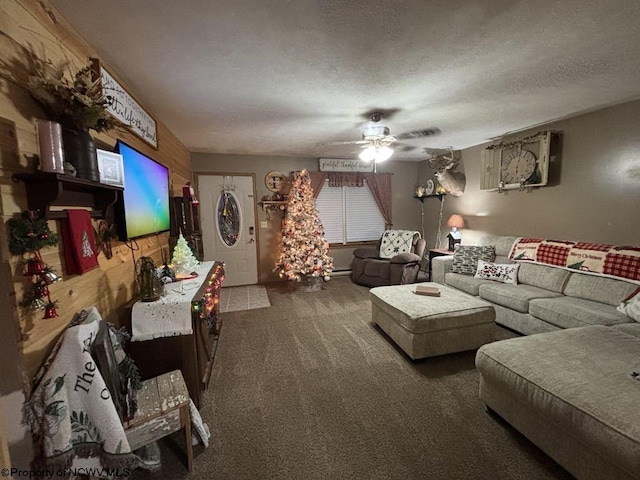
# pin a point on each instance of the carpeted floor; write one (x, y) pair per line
(247, 297)
(310, 389)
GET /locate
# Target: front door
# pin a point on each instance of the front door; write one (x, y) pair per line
(227, 212)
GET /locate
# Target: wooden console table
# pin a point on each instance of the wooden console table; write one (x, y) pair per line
(180, 331)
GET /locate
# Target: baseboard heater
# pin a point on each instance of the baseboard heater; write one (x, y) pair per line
(341, 273)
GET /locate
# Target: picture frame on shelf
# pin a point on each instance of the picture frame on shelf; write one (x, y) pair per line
(110, 168)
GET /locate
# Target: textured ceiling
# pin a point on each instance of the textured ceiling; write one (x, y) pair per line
(287, 77)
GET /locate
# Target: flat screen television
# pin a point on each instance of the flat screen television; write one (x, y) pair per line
(143, 208)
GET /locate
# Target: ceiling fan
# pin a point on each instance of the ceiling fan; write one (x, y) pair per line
(377, 141)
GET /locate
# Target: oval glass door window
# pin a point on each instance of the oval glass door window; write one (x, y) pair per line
(228, 215)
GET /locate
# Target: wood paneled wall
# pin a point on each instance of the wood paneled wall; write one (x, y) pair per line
(38, 26)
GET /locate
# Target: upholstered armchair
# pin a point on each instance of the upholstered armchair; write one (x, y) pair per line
(395, 261)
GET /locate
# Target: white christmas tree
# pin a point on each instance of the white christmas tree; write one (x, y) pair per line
(183, 259)
(304, 249)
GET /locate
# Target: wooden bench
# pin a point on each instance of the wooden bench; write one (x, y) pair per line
(162, 402)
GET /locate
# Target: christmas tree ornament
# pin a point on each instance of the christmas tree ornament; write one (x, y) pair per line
(41, 289)
(34, 266)
(50, 311)
(49, 276)
(37, 304)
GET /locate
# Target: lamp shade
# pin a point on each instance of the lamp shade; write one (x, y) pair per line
(368, 154)
(455, 221)
(375, 153)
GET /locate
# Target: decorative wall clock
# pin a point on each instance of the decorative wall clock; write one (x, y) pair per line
(505, 164)
(518, 166)
(274, 181)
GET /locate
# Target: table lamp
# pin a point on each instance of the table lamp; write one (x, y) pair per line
(454, 223)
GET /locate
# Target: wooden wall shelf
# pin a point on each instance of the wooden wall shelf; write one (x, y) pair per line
(438, 196)
(270, 206)
(47, 189)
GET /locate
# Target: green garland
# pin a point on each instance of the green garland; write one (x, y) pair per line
(128, 369)
(28, 234)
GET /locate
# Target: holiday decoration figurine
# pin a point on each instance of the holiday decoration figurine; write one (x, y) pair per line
(28, 234)
(150, 287)
(184, 262)
(304, 251)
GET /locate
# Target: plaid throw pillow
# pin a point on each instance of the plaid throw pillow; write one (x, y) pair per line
(465, 258)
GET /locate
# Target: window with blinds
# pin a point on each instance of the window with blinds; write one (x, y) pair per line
(349, 214)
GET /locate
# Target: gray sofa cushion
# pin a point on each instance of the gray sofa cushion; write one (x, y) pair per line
(465, 283)
(516, 297)
(630, 328)
(501, 244)
(543, 276)
(601, 289)
(569, 312)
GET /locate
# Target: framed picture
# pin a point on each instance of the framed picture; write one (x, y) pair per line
(110, 168)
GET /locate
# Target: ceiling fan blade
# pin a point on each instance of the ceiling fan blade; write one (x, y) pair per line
(427, 132)
(349, 142)
(403, 147)
(438, 152)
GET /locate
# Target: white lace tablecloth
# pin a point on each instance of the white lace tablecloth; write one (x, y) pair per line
(171, 314)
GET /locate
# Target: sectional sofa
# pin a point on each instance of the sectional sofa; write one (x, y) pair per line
(571, 385)
(545, 298)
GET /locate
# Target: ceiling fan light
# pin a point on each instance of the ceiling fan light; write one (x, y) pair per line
(383, 154)
(368, 154)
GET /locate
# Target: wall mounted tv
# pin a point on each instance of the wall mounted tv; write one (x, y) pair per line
(143, 208)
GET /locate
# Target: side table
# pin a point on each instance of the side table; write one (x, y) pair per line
(437, 252)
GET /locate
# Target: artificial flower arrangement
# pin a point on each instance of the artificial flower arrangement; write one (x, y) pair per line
(77, 100)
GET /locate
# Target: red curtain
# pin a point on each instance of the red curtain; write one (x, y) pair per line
(317, 181)
(380, 186)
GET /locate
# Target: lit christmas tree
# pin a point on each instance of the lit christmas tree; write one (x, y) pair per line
(304, 250)
(183, 259)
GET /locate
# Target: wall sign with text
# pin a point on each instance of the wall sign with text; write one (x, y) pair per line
(125, 108)
(343, 165)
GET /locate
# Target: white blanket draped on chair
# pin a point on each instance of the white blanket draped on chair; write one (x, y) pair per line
(395, 242)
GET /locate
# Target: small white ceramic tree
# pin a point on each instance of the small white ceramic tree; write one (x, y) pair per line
(183, 259)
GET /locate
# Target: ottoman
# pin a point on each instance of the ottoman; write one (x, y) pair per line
(425, 326)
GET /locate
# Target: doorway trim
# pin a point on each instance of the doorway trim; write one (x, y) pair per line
(256, 228)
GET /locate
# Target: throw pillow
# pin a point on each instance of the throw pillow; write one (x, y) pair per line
(465, 258)
(498, 272)
(630, 306)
